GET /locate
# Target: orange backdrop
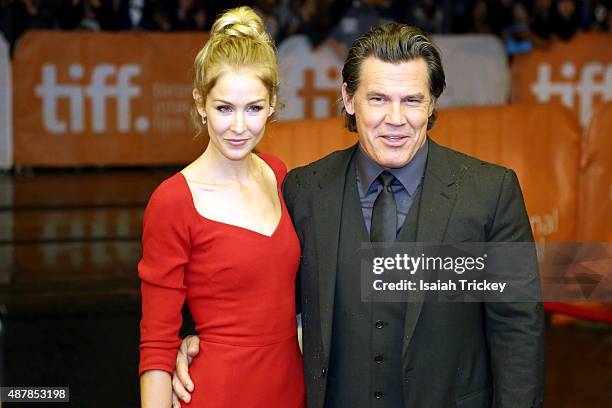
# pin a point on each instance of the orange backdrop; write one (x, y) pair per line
(299, 142)
(104, 98)
(595, 198)
(577, 73)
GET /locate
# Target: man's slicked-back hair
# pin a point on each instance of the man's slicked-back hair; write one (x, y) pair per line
(394, 43)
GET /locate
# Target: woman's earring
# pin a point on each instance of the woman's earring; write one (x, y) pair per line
(204, 119)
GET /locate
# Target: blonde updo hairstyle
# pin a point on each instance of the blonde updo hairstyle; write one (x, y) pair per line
(238, 40)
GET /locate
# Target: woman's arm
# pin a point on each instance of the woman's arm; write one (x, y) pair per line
(166, 250)
(155, 389)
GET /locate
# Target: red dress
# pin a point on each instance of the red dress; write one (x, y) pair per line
(240, 288)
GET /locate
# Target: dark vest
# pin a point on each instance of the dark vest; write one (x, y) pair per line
(365, 368)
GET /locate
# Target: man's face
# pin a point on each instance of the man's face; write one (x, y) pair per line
(391, 107)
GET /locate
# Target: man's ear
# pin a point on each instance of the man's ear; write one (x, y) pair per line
(432, 106)
(199, 102)
(347, 100)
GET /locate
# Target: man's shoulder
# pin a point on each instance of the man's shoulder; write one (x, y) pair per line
(321, 168)
(471, 165)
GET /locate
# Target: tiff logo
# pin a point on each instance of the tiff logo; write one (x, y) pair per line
(98, 91)
(310, 92)
(585, 87)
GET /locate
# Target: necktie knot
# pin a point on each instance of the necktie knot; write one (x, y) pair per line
(386, 179)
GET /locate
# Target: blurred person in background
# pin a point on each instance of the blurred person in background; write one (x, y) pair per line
(319, 19)
(460, 18)
(89, 20)
(360, 17)
(22, 15)
(428, 15)
(267, 10)
(89, 15)
(286, 16)
(565, 19)
(42, 14)
(501, 15)
(480, 18)
(541, 20)
(199, 17)
(283, 18)
(188, 15)
(136, 15)
(392, 10)
(315, 19)
(594, 15)
(602, 12)
(8, 25)
(517, 37)
(298, 19)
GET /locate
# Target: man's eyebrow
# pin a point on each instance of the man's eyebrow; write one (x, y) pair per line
(375, 93)
(418, 95)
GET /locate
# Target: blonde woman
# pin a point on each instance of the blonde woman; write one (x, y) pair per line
(217, 235)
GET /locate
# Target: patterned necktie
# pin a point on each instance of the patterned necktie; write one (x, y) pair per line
(384, 212)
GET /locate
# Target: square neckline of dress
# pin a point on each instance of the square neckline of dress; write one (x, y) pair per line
(278, 194)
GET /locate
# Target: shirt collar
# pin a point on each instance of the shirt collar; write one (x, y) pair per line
(409, 176)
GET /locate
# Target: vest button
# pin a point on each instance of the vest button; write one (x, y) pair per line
(379, 324)
(378, 395)
(323, 372)
(378, 359)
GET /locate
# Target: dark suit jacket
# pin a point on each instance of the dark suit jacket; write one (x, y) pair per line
(454, 354)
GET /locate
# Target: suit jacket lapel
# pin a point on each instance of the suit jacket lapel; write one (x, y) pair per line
(326, 224)
(437, 201)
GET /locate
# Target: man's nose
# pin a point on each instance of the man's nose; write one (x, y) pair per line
(395, 115)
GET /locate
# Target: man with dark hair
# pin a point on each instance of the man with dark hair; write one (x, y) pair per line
(397, 185)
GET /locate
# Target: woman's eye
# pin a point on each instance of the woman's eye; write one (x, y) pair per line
(256, 108)
(223, 108)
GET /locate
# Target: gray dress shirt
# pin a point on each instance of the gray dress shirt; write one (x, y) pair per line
(406, 184)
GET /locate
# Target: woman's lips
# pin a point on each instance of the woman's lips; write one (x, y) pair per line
(237, 142)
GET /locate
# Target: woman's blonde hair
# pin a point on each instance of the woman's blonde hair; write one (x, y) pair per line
(238, 40)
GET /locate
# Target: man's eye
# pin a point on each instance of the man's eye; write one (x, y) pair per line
(376, 99)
